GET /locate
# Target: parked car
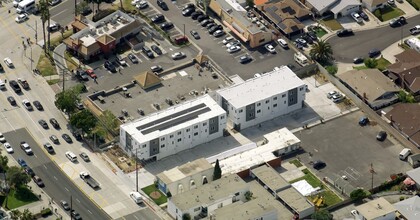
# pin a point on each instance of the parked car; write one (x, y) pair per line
(22, 162)
(227, 40)
(195, 34)
(29, 171)
(356, 17)
(38, 181)
(53, 27)
(15, 86)
(245, 59)
(166, 26)
(358, 60)
(338, 98)
(146, 50)
(301, 41)
(54, 139)
(67, 138)
(43, 123)
(133, 58)
(65, 205)
(391, 2)
(84, 156)
(49, 148)
(75, 215)
(54, 123)
(142, 5)
(77, 135)
(345, 32)
(204, 22)
(202, 18)
(11, 100)
(364, 16)
(8, 148)
(91, 73)
(233, 43)
(270, 48)
(109, 66)
(178, 55)
(54, 2)
(27, 105)
(374, 53)
(331, 94)
(233, 49)
(363, 121)
(2, 138)
(158, 18)
(38, 105)
(189, 5)
(319, 164)
(162, 5)
(196, 14)
(312, 35)
(8, 62)
(156, 68)
(381, 136)
(157, 50)
(187, 12)
(218, 33)
(397, 22)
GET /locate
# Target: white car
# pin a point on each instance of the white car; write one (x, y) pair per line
(355, 214)
(2, 138)
(27, 105)
(21, 18)
(338, 98)
(135, 2)
(142, 5)
(8, 62)
(270, 48)
(233, 49)
(8, 147)
(331, 94)
(356, 17)
(233, 43)
(178, 55)
(227, 40)
(218, 33)
(25, 147)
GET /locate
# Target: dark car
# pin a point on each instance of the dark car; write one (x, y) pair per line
(75, 215)
(43, 124)
(158, 18)
(163, 5)
(29, 171)
(215, 28)
(22, 162)
(38, 181)
(363, 121)
(65, 205)
(11, 100)
(67, 138)
(133, 58)
(157, 50)
(364, 16)
(109, 66)
(53, 27)
(358, 60)
(374, 53)
(166, 26)
(345, 32)
(146, 50)
(78, 136)
(54, 123)
(187, 12)
(312, 35)
(82, 75)
(38, 105)
(189, 5)
(205, 22)
(307, 38)
(195, 34)
(381, 136)
(196, 14)
(397, 22)
(15, 86)
(86, 10)
(245, 59)
(210, 25)
(54, 139)
(49, 148)
(202, 18)
(319, 164)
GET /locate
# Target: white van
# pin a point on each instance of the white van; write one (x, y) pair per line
(301, 59)
(71, 156)
(405, 153)
(282, 43)
(136, 196)
(2, 85)
(25, 6)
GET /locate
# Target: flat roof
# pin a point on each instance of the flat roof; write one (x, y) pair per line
(209, 193)
(294, 199)
(375, 208)
(173, 118)
(270, 178)
(248, 210)
(234, 9)
(185, 170)
(280, 80)
(253, 156)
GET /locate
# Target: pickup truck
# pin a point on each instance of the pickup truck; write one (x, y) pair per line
(89, 180)
(23, 83)
(415, 30)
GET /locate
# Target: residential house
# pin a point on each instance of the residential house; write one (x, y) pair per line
(405, 117)
(406, 71)
(372, 5)
(372, 86)
(238, 20)
(408, 208)
(378, 209)
(338, 8)
(414, 174)
(285, 16)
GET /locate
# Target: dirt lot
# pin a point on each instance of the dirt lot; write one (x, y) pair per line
(121, 159)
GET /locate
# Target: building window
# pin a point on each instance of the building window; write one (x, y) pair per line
(212, 128)
(240, 111)
(284, 95)
(258, 111)
(143, 146)
(205, 130)
(301, 88)
(179, 133)
(162, 139)
(205, 123)
(179, 139)
(267, 101)
(196, 133)
(195, 126)
(222, 117)
(162, 146)
(188, 130)
(171, 136)
(284, 102)
(275, 98)
(258, 104)
(275, 105)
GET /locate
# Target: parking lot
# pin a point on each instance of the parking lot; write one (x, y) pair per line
(349, 150)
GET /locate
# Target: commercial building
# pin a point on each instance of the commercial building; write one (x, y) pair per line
(259, 99)
(185, 177)
(93, 38)
(173, 130)
(378, 209)
(235, 17)
(204, 200)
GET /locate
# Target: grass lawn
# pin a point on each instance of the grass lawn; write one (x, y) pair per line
(45, 67)
(18, 198)
(310, 178)
(149, 189)
(332, 24)
(382, 65)
(330, 198)
(53, 81)
(296, 163)
(363, 67)
(389, 13)
(126, 4)
(57, 40)
(71, 65)
(319, 31)
(417, 2)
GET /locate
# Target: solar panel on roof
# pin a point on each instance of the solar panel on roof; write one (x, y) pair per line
(288, 10)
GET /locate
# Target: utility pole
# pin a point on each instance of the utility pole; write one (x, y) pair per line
(64, 78)
(31, 57)
(372, 171)
(137, 174)
(36, 32)
(402, 35)
(71, 206)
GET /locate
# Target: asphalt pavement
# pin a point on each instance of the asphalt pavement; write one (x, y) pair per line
(57, 185)
(63, 13)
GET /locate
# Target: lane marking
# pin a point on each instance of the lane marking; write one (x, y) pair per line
(55, 178)
(66, 189)
(78, 200)
(89, 211)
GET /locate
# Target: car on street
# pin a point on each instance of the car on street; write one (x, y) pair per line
(27, 105)
(84, 156)
(43, 123)
(381, 136)
(38, 181)
(38, 105)
(25, 147)
(363, 121)
(146, 50)
(22, 162)
(2, 138)
(142, 5)
(358, 60)
(49, 148)
(270, 48)
(195, 34)
(166, 26)
(374, 53)
(11, 100)
(54, 2)
(345, 32)
(8, 147)
(162, 5)
(91, 73)
(54, 123)
(67, 138)
(245, 59)
(397, 22)
(319, 164)
(54, 139)
(178, 55)
(218, 33)
(158, 18)
(356, 17)
(8, 62)
(15, 86)
(187, 12)
(65, 205)
(77, 135)
(233, 49)
(157, 50)
(29, 171)
(132, 58)
(21, 18)
(75, 215)
(23, 83)
(109, 66)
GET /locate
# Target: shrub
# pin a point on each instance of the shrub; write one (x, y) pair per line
(358, 194)
(46, 212)
(413, 4)
(331, 69)
(371, 63)
(378, 14)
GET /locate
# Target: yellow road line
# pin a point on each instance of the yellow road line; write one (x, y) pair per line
(10, 30)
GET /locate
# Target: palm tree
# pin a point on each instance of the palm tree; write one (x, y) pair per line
(322, 52)
(45, 15)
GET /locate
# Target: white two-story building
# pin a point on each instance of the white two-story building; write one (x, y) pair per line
(259, 99)
(173, 130)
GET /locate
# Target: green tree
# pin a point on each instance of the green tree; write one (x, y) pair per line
(248, 195)
(65, 100)
(84, 120)
(27, 215)
(15, 214)
(186, 216)
(109, 120)
(405, 97)
(371, 63)
(3, 163)
(358, 194)
(16, 177)
(250, 3)
(322, 215)
(217, 172)
(45, 16)
(322, 52)
(81, 7)
(332, 69)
